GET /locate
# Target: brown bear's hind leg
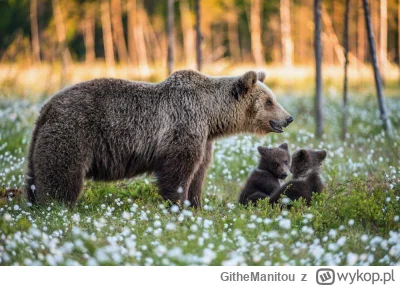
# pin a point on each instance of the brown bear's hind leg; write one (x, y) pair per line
(59, 164)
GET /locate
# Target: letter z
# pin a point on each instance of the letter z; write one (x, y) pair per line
(304, 277)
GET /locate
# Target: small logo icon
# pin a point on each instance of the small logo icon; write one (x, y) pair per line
(325, 276)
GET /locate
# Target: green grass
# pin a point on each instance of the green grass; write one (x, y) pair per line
(354, 221)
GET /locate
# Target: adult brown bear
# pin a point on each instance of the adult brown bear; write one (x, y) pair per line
(110, 129)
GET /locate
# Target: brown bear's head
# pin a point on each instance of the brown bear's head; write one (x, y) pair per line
(264, 114)
(305, 161)
(275, 160)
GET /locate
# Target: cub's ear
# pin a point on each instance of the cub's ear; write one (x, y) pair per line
(284, 146)
(321, 155)
(303, 154)
(261, 76)
(262, 150)
(245, 83)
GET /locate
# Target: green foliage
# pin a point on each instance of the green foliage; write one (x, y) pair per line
(14, 17)
(104, 193)
(127, 222)
(373, 210)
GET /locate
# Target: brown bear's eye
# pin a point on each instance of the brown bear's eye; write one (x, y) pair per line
(286, 162)
(269, 102)
(277, 165)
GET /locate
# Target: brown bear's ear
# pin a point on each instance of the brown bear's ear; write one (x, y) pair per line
(245, 83)
(262, 150)
(284, 146)
(303, 154)
(321, 155)
(261, 76)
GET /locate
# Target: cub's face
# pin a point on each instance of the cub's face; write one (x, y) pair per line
(275, 160)
(304, 161)
(264, 114)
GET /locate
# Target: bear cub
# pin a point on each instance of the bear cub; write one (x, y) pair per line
(306, 179)
(264, 180)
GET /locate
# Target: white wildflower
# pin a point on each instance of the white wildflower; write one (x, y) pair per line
(285, 223)
(207, 223)
(7, 217)
(332, 233)
(251, 225)
(76, 218)
(126, 215)
(352, 258)
(341, 241)
(174, 209)
(170, 226)
(208, 256)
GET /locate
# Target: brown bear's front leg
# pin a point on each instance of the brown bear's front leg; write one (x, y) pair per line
(175, 172)
(198, 178)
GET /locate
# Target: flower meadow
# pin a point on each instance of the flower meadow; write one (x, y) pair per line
(355, 221)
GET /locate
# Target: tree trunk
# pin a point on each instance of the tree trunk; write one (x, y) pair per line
(378, 81)
(171, 36)
(332, 36)
(217, 42)
(398, 35)
(153, 40)
(62, 39)
(132, 15)
(346, 63)
(140, 42)
(35, 32)
(383, 38)
(329, 52)
(88, 36)
(199, 56)
(188, 33)
(318, 67)
(360, 33)
(375, 22)
(107, 33)
(118, 29)
(255, 32)
(302, 42)
(287, 43)
(233, 34)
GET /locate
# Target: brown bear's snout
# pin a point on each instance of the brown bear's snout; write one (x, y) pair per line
(289, 120)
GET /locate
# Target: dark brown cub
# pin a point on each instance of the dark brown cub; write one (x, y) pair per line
(272, 167)
(306, 176)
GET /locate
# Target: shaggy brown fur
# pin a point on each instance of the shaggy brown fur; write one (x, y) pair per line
(306, 179)
(110, 129)
(273, 166)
